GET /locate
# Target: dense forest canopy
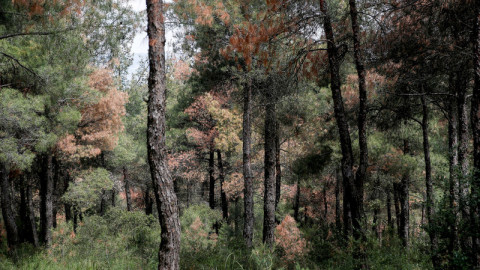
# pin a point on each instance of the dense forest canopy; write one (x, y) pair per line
(277, 134)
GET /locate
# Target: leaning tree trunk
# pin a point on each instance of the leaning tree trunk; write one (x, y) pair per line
(223, 196)
(475, 119)
(127, 190)
(46, 202)
(361, 173)
(342, 124)
(428, 178)
(211, 177)
(167, 205)
(269, 183)
(247, 170)
(7, 211)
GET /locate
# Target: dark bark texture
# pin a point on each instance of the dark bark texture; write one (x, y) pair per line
(46, 203)
(211, 177)
(223, 196)
(247, 169)
(269, 183)
(7, 210)
(167, 205)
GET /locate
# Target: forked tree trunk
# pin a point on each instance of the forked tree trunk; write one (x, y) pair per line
(361, 174)
(351, 198)
(167, 205)
(269, 183)
(7, 211)
(247, 170)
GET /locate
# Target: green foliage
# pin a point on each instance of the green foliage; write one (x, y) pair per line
(87, 187)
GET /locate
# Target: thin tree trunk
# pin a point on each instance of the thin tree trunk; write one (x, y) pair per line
(389, 208)
(404, 201)
(31, 214)
(325, 204)
(428, 178)
(475, 119)
(7, 211)
(463, 141)
(278, 168)
(361, 173)
(338, 223)
(148, 202)
(452, 167)
(127, 189)
(296, 206)
(247, 170)
(269, 183)
(67, 206)
(396, 202)
(167, 205)
(223, 196)
(46, 204)
(343, 128)
(211, 177)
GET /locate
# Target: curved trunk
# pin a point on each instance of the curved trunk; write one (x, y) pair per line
(167, 205)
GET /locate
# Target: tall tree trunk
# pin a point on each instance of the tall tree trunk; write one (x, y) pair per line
(247, 170)
(338, 180)
(463, 141)
(211, 177)
(361, 173)
(7, 211)
(269, 183)
(223, 196)
(55, 194)
(396, 202)
(389, 208)
(342, 124)
(278, 168)
(127, 189)
(46, 203)
(428, 178)
(452, 167)
(32, 224)
(404, 200)
(167, 205)
(475, 119)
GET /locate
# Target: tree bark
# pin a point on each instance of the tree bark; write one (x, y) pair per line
(7, 211)
(247, 170)
(296, 206)
(463, 141)
(67, 206)
(46, 203)
(389, 208)
(269, 163)
(127, 190)
(396, 202)
(211, 177)
(475, 120)
(428, 176)
(338, 180)
(278, 168)
(350, 197)
(452, 167)
(361, 173)
(223, 196)
(31, 214)
(404, 201)
(167, 205)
